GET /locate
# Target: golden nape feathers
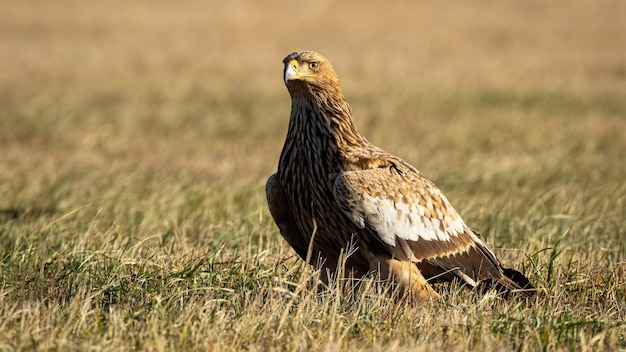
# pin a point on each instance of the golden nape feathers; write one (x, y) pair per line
(334, 189)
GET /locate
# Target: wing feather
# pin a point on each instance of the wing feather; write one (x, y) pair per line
(410, 215)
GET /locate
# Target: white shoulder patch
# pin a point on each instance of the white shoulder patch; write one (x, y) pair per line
(399, 220)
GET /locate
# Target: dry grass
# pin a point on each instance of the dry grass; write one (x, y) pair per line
(136, 137)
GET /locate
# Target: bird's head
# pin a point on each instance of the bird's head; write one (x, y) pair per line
(317, 100)
(309, 69)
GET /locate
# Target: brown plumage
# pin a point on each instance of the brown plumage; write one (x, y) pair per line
(338, 189)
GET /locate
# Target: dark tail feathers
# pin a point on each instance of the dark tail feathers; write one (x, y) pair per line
(513, 283)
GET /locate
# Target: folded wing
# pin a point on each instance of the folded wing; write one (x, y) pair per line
(411, 217)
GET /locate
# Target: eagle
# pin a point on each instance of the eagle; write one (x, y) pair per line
(354, 209)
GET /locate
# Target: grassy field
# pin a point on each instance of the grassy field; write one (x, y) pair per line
(136, 138)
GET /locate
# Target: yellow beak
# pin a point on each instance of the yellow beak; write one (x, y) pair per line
(291, 71)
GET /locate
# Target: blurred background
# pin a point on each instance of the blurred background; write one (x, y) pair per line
(194, 88)
(574, 45)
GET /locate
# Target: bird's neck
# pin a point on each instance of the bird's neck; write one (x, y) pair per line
(326, 116)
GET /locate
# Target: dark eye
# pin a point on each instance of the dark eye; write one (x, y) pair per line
(314, 65)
